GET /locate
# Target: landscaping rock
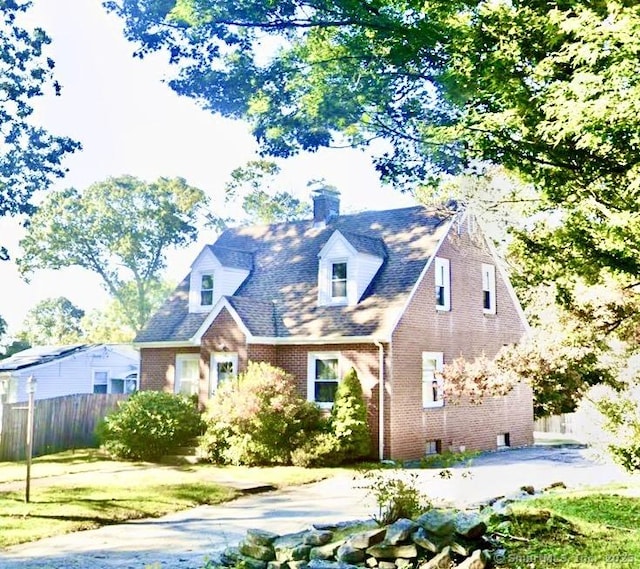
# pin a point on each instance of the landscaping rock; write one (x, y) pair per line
(366, 539)
(245, 562)
(399, 531)
(299, 564)
(469, 525)
(478, 560)
(348, 554)
(404, 563)
(438, 522)
(322, 564)
(463, 548)
(441, 561)
(429, 543)
(371, 562)
(259, 552)
(388, 551)
(386, 565)
(260, 537)
(277, 565)
(230, 556)
(528, 490)
(325, 552)
(317, 537)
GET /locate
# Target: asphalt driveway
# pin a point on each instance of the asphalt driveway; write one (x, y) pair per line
(185, 540)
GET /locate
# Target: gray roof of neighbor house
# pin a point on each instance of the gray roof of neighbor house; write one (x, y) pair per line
(279, 298)
(39, 355)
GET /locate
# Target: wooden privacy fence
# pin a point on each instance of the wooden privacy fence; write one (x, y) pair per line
(556, 424)
(60, 423)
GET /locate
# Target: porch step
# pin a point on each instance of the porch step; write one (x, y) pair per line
(183, 455)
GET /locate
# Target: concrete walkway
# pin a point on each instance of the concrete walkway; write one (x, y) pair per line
(186, 540)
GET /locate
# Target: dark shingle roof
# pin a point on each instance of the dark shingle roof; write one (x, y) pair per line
(233, 258)
(364, 244)
(280, 295)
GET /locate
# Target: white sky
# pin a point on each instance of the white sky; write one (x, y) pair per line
(129, 122)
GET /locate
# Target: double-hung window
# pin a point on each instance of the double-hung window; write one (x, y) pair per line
(206, 290)
(339, 280)
(100, 381)
(432, 387)
(443, 284)
(488, 289)
(323, 377)
(187, 377)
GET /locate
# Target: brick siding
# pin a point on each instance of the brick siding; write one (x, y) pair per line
(463, 331)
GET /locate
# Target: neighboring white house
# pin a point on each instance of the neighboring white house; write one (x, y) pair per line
(66, 370)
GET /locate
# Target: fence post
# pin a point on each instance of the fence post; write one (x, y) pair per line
(31, 391)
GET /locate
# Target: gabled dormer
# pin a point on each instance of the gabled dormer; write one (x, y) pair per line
(346, 266)
(216, 272)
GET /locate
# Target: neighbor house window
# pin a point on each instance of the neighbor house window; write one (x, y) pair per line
(100, 381)
(206, 290)
(323, 377)
(187, 376)
(432, 388)
(443, 284)
(339, 280)
(126, 385)
(224, 366)
(489, 289)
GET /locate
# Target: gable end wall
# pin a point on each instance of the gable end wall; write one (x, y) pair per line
(464, 330)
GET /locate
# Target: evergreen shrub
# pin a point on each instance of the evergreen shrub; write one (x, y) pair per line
(149, 425)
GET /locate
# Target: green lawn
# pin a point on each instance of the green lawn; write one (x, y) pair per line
(79, 490)
(594, 529)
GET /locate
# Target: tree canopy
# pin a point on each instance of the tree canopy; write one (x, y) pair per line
(121, 229)
(30, 157)
(260, 202)
(551, 91)
(53, 321)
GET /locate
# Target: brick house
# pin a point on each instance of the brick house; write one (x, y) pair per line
(320, 296)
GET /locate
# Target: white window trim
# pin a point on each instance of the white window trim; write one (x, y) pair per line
(180, 358)
(130, 377)
(427, 403)
(311, 374)
(202, 289)
(216, 358)
(97, 370)
(338, 299)
(489, 285)
(442, 277)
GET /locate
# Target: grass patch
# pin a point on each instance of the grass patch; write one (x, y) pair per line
(595, 529)
(85, 490)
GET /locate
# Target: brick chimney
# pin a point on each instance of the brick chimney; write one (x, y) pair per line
(326, 205)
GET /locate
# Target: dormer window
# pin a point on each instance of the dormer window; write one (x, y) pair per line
(339, 280)
(346, 266)
(216, 272)
(206, 290)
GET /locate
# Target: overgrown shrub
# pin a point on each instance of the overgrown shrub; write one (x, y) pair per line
(149, 425)
(396, 494)
(349, 419)
(323, 449)
(258, 419)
